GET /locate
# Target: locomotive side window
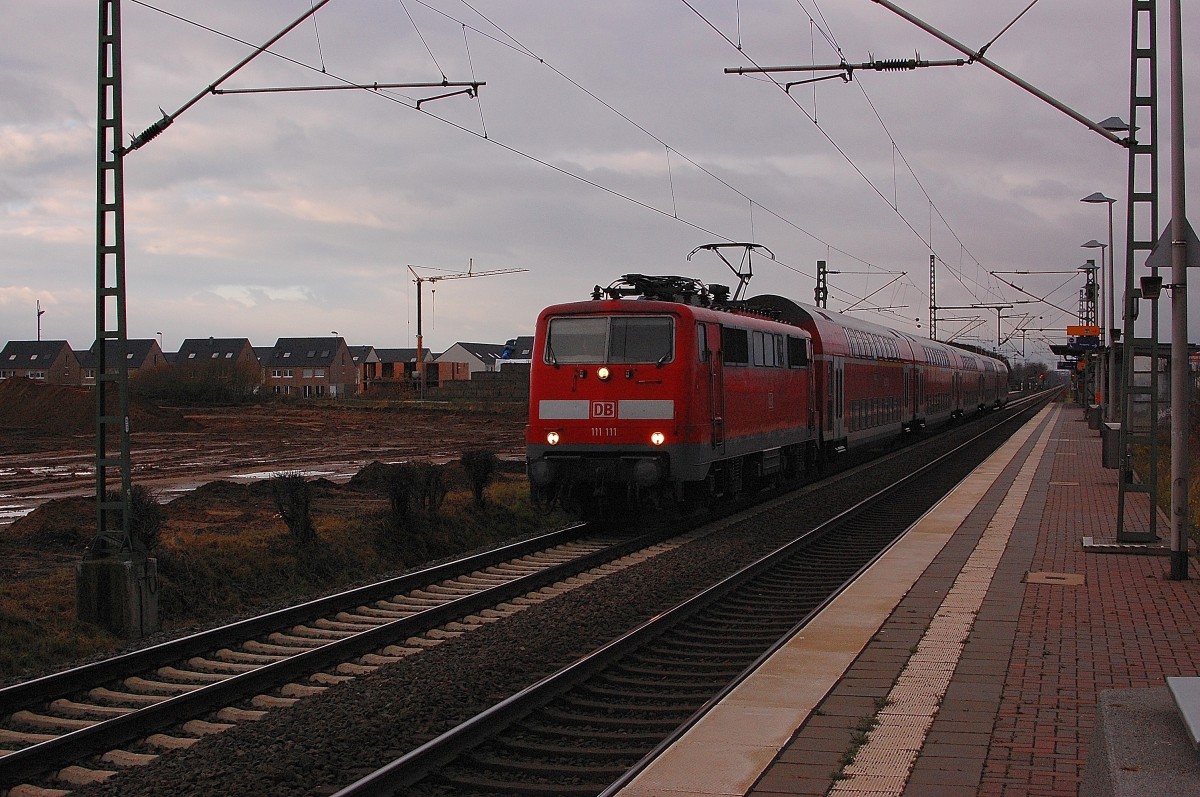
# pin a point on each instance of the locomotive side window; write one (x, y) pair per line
(735, 344)
(634, 339)
(797, 352)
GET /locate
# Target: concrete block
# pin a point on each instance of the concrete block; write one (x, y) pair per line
(1140, 748)
(119, 594)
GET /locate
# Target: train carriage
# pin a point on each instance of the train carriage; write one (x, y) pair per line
(661, 387)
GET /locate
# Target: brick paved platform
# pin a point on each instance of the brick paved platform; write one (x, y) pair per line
(984, 678)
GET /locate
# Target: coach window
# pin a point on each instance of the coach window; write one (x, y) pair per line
(797, 352)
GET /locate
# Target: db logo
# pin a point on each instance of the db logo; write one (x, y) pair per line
(604, 409)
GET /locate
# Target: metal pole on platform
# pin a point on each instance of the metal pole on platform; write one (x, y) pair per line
(1180, 378)
(1110, 404)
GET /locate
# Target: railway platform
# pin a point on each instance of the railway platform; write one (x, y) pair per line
(988, 652)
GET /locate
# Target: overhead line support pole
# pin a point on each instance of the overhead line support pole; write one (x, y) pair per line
(1180, 377)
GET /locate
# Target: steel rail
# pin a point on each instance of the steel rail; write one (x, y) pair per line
(420, 762)
(39, 690)
(40, 758)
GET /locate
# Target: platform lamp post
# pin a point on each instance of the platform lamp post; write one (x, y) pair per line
(1110, 405)
(1089, 307)
(1104, 321)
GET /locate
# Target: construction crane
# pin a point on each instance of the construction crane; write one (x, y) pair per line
(417, 278)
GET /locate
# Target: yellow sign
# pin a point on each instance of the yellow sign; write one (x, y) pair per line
(1083, 331)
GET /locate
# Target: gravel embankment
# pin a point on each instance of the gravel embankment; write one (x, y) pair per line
(325, 743)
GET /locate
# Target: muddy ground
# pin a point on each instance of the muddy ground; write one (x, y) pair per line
(47, 456)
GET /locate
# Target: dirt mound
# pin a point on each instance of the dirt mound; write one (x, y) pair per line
(64, 524)
(64, 410)
(374, 476)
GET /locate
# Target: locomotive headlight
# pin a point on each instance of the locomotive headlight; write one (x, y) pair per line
(602, 374)
(552, 438)
(658, 438)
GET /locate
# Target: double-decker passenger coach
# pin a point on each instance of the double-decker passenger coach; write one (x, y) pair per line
(662, 388)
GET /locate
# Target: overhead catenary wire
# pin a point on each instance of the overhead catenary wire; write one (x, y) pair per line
(421, 36)
(317, 36)
(927, 240)
(516, 46)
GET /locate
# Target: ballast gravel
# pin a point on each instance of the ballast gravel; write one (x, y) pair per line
(323, 744)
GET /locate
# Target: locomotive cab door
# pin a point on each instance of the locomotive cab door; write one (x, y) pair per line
(708, 339)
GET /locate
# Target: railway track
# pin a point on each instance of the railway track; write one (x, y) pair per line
(588, 728)
(84, 754)
(73, 727)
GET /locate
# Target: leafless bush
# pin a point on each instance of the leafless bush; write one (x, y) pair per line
(480, 467)
(293, 499)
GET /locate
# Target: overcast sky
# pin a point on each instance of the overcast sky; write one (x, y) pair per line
(607, 140)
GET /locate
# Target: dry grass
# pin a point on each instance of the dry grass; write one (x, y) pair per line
(224, 551)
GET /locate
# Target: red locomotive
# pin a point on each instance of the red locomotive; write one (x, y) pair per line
(662, 386)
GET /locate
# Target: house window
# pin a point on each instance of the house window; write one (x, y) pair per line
(319, 373)
(12, 357)
(216, 354)
(308, 372)
(287, 354)
(36, 374)
(32, 357)
(7, 374)
(312, 353)
(228, 355)
(191, 355)
(129, 356)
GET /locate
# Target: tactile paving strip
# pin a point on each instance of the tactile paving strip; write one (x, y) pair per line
(883, 763)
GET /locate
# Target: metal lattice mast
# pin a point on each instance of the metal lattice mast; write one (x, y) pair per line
(932, 298)
(112, 423)
(1140, 396)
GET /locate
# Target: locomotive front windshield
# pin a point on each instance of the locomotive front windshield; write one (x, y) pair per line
(610, 339)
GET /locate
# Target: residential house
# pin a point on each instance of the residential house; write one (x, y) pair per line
(141, 354)
(400, 364)
(477, 356)
(50, 361)
(370, 367)
(397, 371)
(516, 350)
(227, 360)
(311, 368)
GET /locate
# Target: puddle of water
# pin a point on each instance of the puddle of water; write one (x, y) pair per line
(269, 474)
(10, 513)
